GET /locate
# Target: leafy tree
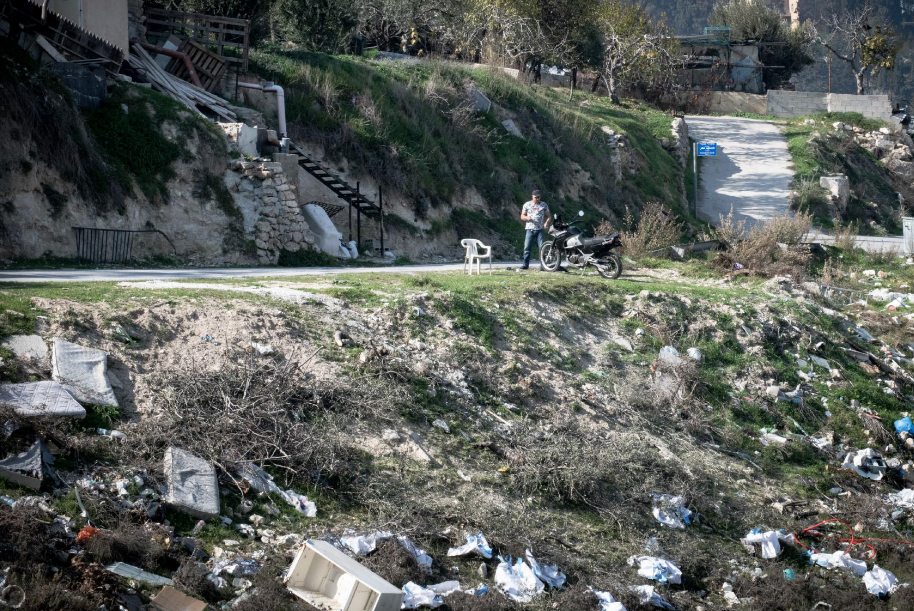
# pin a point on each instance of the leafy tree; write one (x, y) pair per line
(783, 52)
(322, 25)
(636, 52)
(868, 49)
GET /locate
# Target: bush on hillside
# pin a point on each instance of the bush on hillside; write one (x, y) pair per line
(655, 229)
(765, 249)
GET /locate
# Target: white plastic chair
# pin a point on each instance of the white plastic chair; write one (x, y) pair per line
(476, 251)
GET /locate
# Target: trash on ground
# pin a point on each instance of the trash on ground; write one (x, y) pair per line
(606, 600)
(262, 349)
(670, 355)
(769, 540)
(903, 499)
(441, 424)
(839, 560)
(129, 571)
(326, 578)
(40, 399)
(671, 511)
(361, 545)
(475, 543)
(170, 599)
(82, 371)
(647, 595)
(191, 484)
(771, 438)
(865, 463)
(548, 573)
(879, 581)
(29, 468)
(657, 569)
(694, 354)
(421, 557)
(262, 482)
(415, 596)
(518, 581)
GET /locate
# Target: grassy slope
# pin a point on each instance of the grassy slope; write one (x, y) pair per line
(818, 150)
(745, 332)
(408, 125)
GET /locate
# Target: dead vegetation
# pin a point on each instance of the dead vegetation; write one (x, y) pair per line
(770, 249)
(654, 230)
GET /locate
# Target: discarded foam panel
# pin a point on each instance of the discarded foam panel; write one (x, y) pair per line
(170, 599)
(40, 399)
(192, 484)
(325, 577)
(83, 371)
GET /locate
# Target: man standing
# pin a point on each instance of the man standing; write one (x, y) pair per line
(537, 217)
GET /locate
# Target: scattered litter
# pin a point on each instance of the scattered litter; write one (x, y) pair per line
(422, 558)
(415, 596)
(351, 587)
(903, 499)
(606, 600)
(863, 334)
(904, 425)
(40, 399)
(818, 360)
(361, 545)
(83, 372)
(170, 599)
(769, 540)
(695, 354)
(647, 595)
(790, 574)
(300, 502)
(114, 434)
(768, 438)
(262, 482)
(657, 569)
(548, 573)
(192, 485)
(129, 571)
(475, 543)
(839, 560)
(671, 511)
(262, 349)
(209, 339)
(865, 463)
(518, 582)
(879, 581)
(29, 468)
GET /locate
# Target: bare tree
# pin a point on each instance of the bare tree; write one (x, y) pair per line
(866, 48)
(629, 60)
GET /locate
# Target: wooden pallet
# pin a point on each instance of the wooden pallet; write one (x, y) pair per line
(210, 67)
(219, 33)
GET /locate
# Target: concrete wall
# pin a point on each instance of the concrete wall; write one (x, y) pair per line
(794, 103)
(107, 19)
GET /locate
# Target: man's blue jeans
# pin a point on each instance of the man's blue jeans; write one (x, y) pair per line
(528, 239)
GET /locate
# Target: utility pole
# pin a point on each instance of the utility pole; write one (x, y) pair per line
(828, 61)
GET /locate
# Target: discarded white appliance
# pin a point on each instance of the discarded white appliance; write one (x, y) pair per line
(325, 577)
(82, 371)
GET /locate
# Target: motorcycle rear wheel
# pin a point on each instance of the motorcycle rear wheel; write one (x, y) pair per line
(550, 257)
(611, 267)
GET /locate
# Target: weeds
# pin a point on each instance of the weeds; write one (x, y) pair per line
(769, 249)
(655, 230)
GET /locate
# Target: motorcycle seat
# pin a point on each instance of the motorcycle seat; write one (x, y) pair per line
(597, 241)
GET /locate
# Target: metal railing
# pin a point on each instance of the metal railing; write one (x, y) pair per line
(109, 245)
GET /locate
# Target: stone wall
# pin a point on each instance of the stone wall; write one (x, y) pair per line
(794, 103)
(269, 205)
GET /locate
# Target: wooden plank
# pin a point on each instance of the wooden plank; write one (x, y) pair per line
(49, 48)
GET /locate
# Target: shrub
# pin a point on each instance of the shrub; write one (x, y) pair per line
(766, 249)
(655, 229)
(846, 236)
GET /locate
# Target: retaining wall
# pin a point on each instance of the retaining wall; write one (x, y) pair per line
(797, 103)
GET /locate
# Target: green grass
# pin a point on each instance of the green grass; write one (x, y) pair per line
(406, 126)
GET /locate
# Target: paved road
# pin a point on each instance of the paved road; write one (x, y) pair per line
(118, 275)
(750, 175)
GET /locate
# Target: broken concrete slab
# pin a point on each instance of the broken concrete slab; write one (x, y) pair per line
(479, 100)
(192, 485)
(28, 468)
(170, 599)
(325, 577)
(40, 399)
(83, 371)
(27, 347)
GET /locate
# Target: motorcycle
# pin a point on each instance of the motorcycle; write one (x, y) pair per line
(569, 243)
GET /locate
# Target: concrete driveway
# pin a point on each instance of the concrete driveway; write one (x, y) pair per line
(750, 175)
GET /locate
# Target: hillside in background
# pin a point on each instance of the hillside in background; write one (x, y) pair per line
(411, 128)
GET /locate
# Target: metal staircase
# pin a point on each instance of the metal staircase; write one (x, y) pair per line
(345, 192)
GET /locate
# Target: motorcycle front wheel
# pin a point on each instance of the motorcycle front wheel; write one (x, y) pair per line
(610, 267)
(550, 257)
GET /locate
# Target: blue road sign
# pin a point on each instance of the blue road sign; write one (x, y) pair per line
(707, 149)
